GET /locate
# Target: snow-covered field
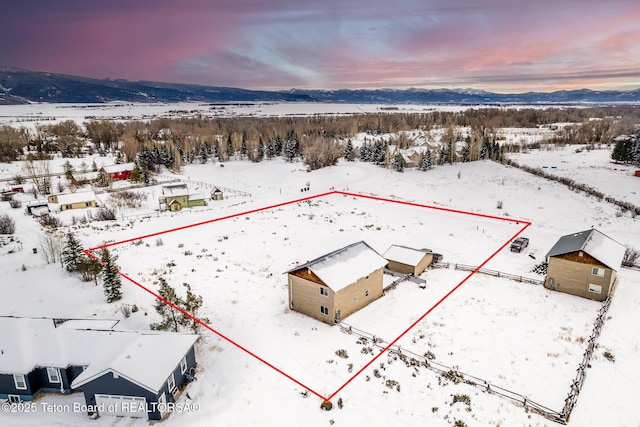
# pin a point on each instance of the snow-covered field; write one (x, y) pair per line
(593, 168)
(516, 335)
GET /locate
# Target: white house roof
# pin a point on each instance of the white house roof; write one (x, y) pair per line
(119, 168)
(198, 196)
(87, 176)
(592, 242)
(404, 255)
(175, 190)
(345, 266)
(146, 361)
(27, 342)
(70, 198)
(145, 358)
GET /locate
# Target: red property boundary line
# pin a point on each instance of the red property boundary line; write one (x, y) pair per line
(526, 224)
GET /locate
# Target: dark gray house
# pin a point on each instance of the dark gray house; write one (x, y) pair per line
(142, 378)
(141, 369)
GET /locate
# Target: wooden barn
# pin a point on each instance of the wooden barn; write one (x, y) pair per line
(584, 264)
(405, 260)
(117, 172)
(335, 285)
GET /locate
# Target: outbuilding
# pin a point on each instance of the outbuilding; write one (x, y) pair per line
(406, 260)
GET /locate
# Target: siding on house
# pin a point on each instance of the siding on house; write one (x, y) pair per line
(566, 274)
(351, 276)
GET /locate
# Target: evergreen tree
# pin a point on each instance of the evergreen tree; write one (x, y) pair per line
(204, 157)
(71, 253)
(135, 175)
(623, 150)
(243, 146)
(110, 278)
(270, 150)
(466, 152)
(260, 154)
(635, 151)
(68, 169)
(365, 152)
(291, 147)
(349, 152)
(425, 161)
(230, 151)
(94, 167)
(171, 318)
(399, 163)
(119, 158)
(192, 304)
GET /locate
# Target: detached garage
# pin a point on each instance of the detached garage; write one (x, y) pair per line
(405, 260)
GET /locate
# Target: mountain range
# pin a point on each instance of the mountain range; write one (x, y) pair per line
(18, 86)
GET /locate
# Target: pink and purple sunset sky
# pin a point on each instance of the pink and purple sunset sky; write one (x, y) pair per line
(496, 45)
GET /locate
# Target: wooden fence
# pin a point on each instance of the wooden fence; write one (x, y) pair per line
(495, 273)
(412, 359)
(225, 190)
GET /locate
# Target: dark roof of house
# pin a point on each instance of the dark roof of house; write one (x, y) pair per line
(593, 242)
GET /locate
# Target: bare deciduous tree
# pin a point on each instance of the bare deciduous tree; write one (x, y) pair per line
(51, 245)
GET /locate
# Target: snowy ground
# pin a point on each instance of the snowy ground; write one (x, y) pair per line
(593, 168)
(519, 336)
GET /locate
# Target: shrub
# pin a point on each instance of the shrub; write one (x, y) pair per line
(105, 214)
(15, 203)
(50, 221)
(630, 257)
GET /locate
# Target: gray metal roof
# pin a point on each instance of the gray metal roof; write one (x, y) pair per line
(592, 242)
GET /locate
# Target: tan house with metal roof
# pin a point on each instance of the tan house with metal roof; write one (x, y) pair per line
(81, 200)
(335, 285)
(584, 264)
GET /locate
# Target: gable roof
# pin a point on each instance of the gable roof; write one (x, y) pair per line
(144, 358)
(592, 242)
(71, 198)
(146, 361)
(175, 190)
(405, 255)
(119, 167)
(342, 267)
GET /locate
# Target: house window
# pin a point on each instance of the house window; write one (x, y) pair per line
(597, 271)
(53, 375)
(88, 204)
(67, 207)
(324, 291)
(596, 289)
(324, 310)
(13, 398)
(366, 293)
(171, 383)
(20, 382)
(183, 365)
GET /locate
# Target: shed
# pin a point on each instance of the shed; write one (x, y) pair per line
(584, 264)
(406, 260)
(335, 285)
(217, 194)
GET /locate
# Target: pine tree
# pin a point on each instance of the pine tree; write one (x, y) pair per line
(243, 146)
(68, 169)
(204, 157)
(290, 147)
(192, 303)
(110, 278)
(399, 163)
(71, 253)
(230, 151)
(365, 152)
(260, 154)
(425, 161)
(635, 151)
(94, 167)
(349, 152)
(171, 318)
